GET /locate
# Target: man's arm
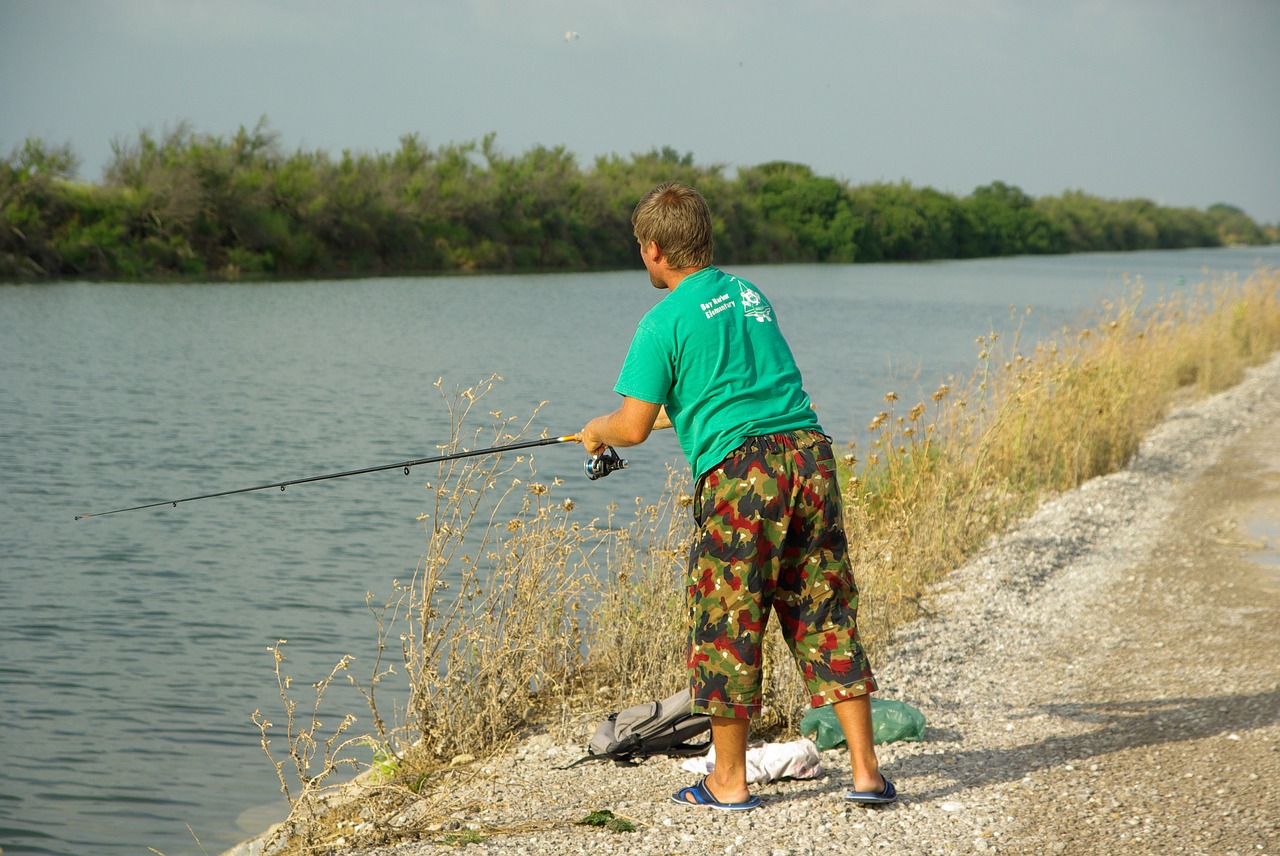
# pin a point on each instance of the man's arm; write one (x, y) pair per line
(629, 425)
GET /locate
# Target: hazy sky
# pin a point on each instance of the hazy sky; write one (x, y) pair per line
(1177, 101)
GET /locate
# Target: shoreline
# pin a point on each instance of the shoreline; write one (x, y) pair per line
(1101, 678)
(220, 277)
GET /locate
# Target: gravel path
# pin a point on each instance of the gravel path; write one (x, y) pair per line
(1104, 679)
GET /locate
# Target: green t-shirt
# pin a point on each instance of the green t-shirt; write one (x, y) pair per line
(711, 351)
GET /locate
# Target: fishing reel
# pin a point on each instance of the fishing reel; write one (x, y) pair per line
(599, 466)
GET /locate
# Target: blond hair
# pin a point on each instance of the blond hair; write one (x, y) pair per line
(677, 217)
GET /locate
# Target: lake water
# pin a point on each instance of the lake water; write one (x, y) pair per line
(135, 645)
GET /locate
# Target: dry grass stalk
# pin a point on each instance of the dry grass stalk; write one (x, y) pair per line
(638, 630)
(940, 480)
(504, 646)
(316, 759)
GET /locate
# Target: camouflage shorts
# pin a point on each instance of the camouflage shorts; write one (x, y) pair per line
(770, 535)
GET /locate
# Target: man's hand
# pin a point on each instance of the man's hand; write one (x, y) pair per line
(629, 425)
(589, 437)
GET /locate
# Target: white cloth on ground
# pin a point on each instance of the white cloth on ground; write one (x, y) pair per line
(769, 762)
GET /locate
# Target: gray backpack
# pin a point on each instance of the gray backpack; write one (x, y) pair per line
(654, 728)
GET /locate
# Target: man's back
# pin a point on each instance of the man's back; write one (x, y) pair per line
(712, 352)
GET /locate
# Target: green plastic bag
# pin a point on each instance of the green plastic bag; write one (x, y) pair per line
(890, 721)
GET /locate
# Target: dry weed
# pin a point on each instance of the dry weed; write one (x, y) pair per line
(638, 628)
(938, 481)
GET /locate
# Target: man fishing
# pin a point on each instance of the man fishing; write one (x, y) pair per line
(710, 361)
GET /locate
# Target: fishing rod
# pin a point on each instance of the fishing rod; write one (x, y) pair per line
(597, 466)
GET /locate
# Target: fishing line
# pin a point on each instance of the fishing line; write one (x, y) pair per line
(597, 466)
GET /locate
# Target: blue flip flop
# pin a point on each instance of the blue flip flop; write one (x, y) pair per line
(702, 797)
(888, 795)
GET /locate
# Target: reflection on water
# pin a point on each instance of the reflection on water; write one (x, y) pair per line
(136, 645)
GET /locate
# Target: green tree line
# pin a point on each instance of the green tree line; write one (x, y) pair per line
(184, 204)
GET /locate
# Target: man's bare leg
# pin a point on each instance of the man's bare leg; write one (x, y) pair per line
(855, 718)
(728, 781)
